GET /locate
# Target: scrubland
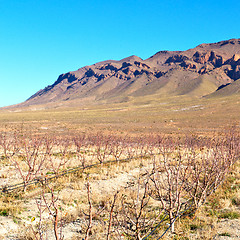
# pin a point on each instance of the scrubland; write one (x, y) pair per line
(146, 171)
(117, 187)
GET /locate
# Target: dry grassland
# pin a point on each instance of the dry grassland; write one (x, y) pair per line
(154, 160)
(171, 115)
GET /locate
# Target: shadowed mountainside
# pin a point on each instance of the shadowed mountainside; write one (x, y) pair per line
(206, 70)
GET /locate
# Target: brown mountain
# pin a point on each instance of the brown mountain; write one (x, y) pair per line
(207, 69)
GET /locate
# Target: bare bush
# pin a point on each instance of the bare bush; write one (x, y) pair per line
(50, 206)
(208, 169)
(30, 162)
(102, 147)
(59, 156)
(169, 177)
(9, 144)
(80, 144)
(135, 217)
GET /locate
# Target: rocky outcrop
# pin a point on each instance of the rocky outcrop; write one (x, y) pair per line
(208, 57)
(201, 58)
(68, 77)
(233, 73)
(109, 66)
(176, 59)
(159, 74)
(141, 65)
(203, 70)
(234, 61)
(188, 65)
(215, 60)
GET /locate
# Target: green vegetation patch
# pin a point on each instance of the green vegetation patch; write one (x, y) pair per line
(229, 215)
(4, 212)
(225, 234)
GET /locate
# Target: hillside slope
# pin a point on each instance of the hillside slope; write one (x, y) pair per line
(203, 70)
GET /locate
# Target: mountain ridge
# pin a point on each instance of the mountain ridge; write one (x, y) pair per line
(201, 71)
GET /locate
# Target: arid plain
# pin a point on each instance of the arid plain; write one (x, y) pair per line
(163, 164)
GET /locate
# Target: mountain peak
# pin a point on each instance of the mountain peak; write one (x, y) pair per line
(131, 59)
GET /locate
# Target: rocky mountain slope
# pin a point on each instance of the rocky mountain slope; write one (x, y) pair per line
(208, 69)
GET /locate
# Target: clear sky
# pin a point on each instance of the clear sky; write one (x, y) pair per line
(40, 39)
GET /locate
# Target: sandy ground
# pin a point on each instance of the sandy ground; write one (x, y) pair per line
(9, 229)
(228, 227)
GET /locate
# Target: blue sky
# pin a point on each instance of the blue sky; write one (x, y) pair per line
(40, 39)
